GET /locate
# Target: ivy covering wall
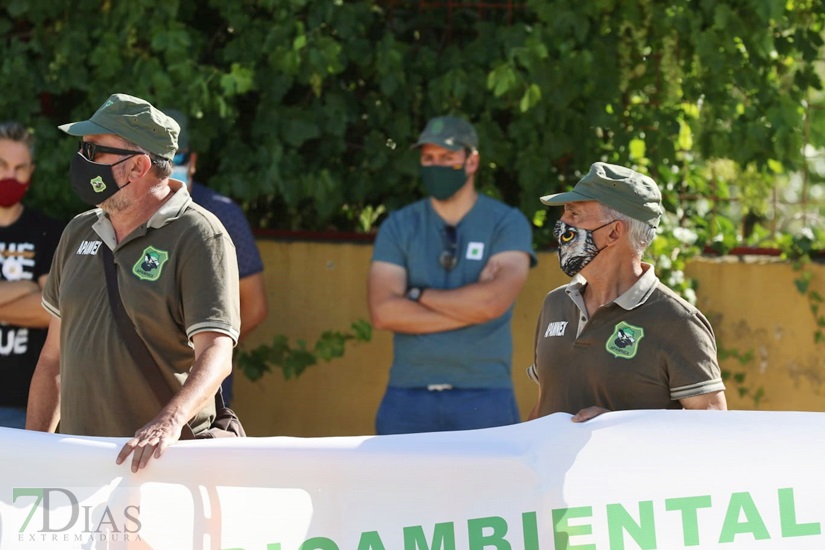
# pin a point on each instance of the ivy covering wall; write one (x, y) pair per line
(304, 110)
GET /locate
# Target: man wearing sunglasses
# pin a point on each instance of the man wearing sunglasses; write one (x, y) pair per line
(177, 279)
(445, 273)
(616, 338)
(27, 240)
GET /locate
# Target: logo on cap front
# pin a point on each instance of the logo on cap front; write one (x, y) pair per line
(97, 184)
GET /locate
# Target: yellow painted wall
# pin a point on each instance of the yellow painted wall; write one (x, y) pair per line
(313, 287)
(755, 307)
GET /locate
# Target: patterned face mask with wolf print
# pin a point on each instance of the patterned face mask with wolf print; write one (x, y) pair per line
(577, 248)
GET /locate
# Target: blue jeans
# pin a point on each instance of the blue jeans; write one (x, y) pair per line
(12, 417)
(415, 410)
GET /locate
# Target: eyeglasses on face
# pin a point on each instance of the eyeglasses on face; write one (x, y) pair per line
(90, 150)
(448, 258)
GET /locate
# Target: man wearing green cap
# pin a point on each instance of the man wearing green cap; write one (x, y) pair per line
(445, 273)
(176, 277)
(615, 337)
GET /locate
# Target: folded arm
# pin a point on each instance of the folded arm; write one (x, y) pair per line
(390, 309)
(496, 290)
(438, 310)
(25, 308)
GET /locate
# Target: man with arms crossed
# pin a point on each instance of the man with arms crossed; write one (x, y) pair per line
(446, 271)
(27, 240)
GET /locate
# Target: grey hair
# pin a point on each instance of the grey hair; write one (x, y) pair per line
(640, 233)
(14, 131)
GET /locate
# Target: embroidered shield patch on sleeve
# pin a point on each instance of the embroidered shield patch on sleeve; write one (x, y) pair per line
(150, 265)
(624, 342)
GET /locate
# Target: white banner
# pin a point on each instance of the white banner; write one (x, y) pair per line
(630, 480)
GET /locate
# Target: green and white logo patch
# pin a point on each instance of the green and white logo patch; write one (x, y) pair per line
(150, 265)
(475, 251)
(624, 342)
(97, 184)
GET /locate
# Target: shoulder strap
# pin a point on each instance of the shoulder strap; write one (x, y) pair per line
(137, 347)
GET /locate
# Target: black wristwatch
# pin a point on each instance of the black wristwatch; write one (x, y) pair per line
(415, 293)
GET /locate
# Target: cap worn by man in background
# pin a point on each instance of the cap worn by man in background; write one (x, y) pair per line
(445, 273)
(615, 337)
(250, 266)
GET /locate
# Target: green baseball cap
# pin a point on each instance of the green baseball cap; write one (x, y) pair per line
(449, 132)
(619, 188)
(134, 120)
(183, 122)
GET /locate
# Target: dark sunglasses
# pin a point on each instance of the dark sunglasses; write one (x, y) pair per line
(449, 258)
(89, 150)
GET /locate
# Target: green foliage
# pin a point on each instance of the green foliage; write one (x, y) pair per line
(798, 250)
(304, 111)
(293, 361)
(738, 378)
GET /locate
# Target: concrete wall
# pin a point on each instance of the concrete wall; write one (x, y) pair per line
(312, 287)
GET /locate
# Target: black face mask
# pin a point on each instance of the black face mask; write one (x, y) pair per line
(93, 182)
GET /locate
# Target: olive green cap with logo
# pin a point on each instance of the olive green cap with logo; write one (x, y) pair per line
(619, 188)
(133, 119)
(449, 132)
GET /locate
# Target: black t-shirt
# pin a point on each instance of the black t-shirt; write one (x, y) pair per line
(26, 250)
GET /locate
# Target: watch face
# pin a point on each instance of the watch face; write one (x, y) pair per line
(414, 294)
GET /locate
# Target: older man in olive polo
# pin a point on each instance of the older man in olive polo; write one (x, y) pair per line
(615, 337)
(178, 281)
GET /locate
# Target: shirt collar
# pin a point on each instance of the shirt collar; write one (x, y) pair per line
(167, 213)
(173, 208)
(632, 297)
(638, 294)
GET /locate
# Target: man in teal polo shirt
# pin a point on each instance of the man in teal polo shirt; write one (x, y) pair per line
(445, 274)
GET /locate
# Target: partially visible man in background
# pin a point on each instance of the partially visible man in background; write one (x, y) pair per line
(250, 266)
(27, 243)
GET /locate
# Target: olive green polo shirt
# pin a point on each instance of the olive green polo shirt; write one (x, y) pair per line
(646, 350)
(178, 276)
